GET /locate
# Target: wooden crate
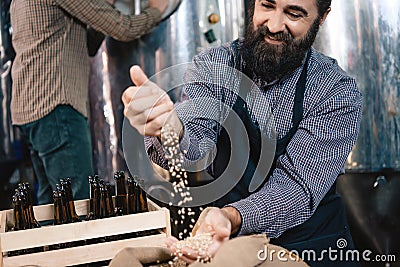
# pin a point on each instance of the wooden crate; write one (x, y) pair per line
(157, 218)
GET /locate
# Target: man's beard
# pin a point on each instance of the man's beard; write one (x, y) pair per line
(271, 62)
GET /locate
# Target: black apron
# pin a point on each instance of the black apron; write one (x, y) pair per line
(327, 225)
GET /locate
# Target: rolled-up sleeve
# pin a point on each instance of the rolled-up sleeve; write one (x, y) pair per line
(106, 19)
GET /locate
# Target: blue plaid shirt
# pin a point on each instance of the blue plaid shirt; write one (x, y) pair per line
(316, 154)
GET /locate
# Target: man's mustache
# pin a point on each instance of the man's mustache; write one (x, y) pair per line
(278, 36)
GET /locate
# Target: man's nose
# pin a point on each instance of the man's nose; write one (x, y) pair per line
(276, 22)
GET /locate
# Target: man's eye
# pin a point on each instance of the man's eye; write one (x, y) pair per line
(294, 15)
(266, 5)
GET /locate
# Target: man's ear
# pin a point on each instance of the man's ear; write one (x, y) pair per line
(323, 18)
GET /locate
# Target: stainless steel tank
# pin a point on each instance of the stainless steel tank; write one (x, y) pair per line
(194, 26)
(10, 142)
(363, 35)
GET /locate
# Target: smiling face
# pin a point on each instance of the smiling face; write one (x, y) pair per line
(279, 34)
(289, 17)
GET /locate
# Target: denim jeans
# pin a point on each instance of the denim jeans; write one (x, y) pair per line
(60, 147)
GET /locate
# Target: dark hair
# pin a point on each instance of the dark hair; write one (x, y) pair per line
(322, 6)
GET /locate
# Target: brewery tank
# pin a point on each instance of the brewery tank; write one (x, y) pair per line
(194, 26)
(10, 141)
(363, 35)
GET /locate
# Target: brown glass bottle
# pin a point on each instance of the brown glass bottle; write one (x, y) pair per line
(132, 207)
(109, 201)
(142, 196)
(19, 220)
(60, 214)
(25, 208)
(121, 205)
(29, 202)
(58, 208)
(66, 183)
(137, 194)
(103, 201)
(90, 215)
(64, 203)
(96, 195)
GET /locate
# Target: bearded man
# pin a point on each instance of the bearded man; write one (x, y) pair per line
(316, 110)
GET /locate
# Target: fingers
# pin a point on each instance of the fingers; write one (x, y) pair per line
(205, 228)
(213, 220)
(128, 95)
(170, 241)
(147, 106)
(137, 106)
(158, 111)
(222, 230)
(153, 128)
(144, 87)
(145, 94)
(186, 253)
(138, 77)
(200, 221)
(212, 249)
(149, 124)
(141, 116)
(143, 98)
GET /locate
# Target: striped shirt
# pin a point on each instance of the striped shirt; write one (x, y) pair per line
(51, 66)
(316, 154)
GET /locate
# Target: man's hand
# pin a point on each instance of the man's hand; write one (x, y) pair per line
(217, 222)
(161, 5)
(148, 107)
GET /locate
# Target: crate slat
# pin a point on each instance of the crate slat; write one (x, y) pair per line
(3, 222)
(46, 212)
(157, 218)
(81, 255)
(2, 230)
(56, 234)
(8, 217)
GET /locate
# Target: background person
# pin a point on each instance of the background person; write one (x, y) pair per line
(51, 79)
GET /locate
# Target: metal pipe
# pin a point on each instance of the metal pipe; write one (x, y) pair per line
(138, 7)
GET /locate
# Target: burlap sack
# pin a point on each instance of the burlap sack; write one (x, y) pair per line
(249, 251)
(243, 251)
(141, 256)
